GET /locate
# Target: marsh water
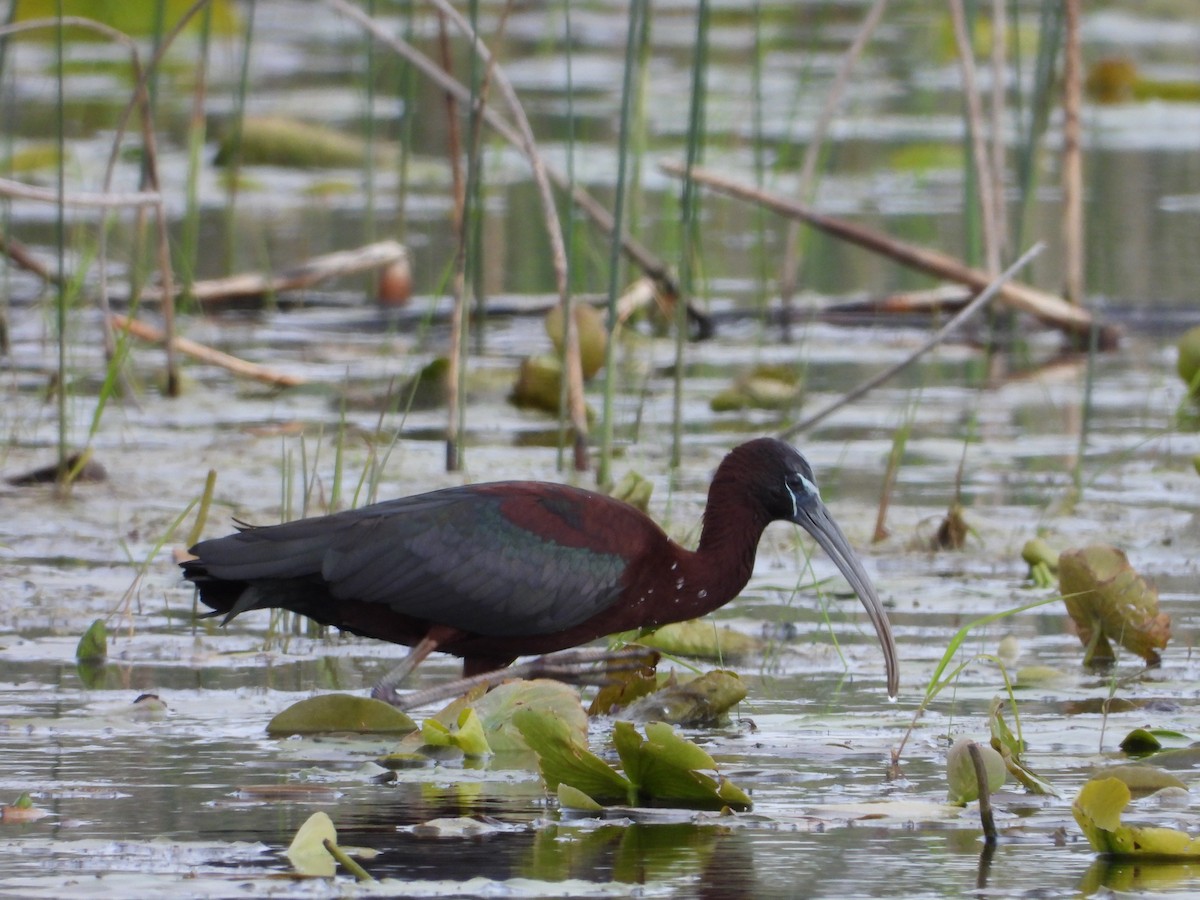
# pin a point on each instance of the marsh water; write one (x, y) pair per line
(193, 799)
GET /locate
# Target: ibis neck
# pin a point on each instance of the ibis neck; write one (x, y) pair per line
(723, 561)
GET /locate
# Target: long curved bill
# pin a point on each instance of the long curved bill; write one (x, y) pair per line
(813, 517)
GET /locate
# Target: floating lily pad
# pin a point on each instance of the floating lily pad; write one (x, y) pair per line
(700, 639)
(1109, 601)
(663, 768)
(1145, 741)
(498, 706)
(280, 141)
(340, 712)
(1098, 810)
(1141, 779)
(766, 387)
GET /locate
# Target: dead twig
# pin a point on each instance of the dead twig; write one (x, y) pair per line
(984, 298)
(205, 353)
(635, 251)
(320, 268)
(580, 665)
(1046, 307)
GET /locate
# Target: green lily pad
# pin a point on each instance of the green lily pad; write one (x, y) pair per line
(340, 712)
(575, 799)
(93, 646)
(564, 758)
(700, 639)
(466, 734)
(664, 768)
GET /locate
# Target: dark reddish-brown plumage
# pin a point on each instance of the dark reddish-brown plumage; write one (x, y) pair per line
(490, 572)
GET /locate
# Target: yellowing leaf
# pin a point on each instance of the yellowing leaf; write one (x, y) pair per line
(700, 701)
(467, 734)
(1109, 601)
(1098, 809)
(307, 852)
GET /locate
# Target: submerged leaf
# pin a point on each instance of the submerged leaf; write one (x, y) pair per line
(340, 712)
(700, 701)
(1108, 600)
(307, 852)
(1098, 809)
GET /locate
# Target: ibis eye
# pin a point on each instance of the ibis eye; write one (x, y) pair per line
(799, 486)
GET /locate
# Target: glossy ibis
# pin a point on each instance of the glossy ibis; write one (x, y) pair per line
(490, 572)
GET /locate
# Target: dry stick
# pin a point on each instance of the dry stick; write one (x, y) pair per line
(791, 259)
(979, 148)
(985, 801)
(20, 191)
(19, 254)
(313, 271)
(635, 251)
(1072, 156)
(936, 338)
(206, 354)
(141, 102)
(564, 665)
(554, 230)
(1046, 307)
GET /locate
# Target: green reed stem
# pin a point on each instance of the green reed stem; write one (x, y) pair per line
(637, 13)
(233, 165)
(60, 239)
(690, 219)
(190, 237)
